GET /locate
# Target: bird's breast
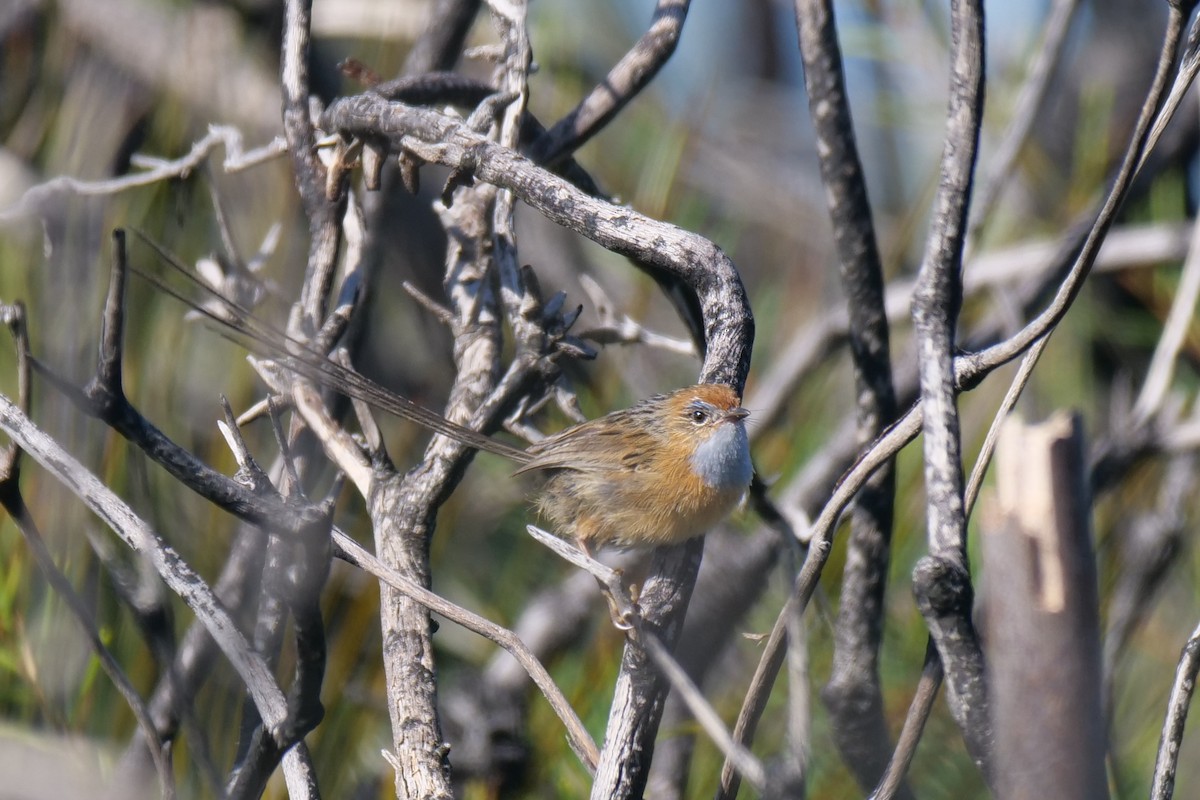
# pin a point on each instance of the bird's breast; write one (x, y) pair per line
(722, 461)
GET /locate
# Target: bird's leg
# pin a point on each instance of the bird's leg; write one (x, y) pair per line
(622, 598)
(621, 603)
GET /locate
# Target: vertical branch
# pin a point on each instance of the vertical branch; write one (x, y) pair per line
(853, 693)
(641, 690)
(1180, 702)
(732, 580)
(404, 508)
(942, 575)
(514, 80)
(322, 212)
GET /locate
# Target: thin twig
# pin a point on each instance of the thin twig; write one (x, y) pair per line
(581, 742)
(742, 759)
(1170, 342)
(138, 536)
(914, 724)
(236, 159)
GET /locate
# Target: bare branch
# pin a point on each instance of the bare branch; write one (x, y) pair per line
(624, 81)
(138, 536)
(36, 198)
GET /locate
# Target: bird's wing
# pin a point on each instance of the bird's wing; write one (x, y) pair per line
(588, 448)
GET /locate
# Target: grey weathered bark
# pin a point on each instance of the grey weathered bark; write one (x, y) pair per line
(1042, 617)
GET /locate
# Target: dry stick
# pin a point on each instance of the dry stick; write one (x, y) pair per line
(514, 284)
(623, 82)
(438, 48)
(404, 508)
(936, 305)
(581, 742)
(914, 725)
(853, 695)
(237, 158)
(744, 762)
(756, 696)
(938, 293)
(190, 587)
(969, 371)
(624, 607)
(322, 212)
(1171, 740)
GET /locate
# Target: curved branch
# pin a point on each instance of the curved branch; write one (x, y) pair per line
(438, 138)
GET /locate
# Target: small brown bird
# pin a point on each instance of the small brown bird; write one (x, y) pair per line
(657, 473)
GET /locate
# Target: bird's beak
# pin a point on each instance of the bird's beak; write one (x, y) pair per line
(736, 414)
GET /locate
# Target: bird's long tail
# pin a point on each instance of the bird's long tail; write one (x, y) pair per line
(239, 324)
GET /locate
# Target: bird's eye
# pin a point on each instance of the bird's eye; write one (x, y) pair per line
(699, 415)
